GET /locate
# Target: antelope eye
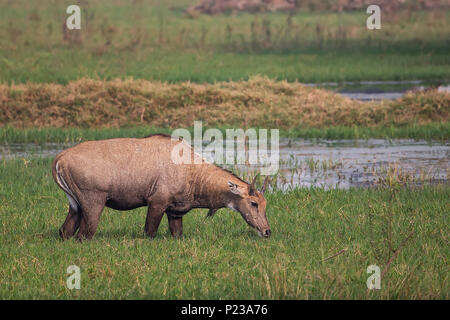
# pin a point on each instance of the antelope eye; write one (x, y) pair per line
(254, 204)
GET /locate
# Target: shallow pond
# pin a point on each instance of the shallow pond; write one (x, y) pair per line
(362, 163)
(379, 90)
(329, 164)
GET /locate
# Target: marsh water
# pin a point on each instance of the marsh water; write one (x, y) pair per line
(324, 163)
(380, 90)
(362, 163)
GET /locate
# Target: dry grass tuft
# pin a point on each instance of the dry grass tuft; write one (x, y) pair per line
(258, 102)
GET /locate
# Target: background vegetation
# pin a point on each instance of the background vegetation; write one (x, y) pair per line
(158, 40)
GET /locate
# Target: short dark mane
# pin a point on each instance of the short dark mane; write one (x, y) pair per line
(230, 172)
(158, 134)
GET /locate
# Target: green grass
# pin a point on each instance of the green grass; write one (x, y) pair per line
(434, 131)
(221, 258)
(156, 41)
(60, 66)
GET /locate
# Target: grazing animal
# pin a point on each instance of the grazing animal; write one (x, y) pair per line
(124, 174)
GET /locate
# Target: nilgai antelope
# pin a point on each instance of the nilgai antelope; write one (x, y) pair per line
(124, 174)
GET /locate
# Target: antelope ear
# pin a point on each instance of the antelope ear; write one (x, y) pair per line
(254, 180)
(266, 181)
(251, 186)
(234, 188)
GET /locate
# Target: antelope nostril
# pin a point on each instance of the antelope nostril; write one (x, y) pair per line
(267, 233)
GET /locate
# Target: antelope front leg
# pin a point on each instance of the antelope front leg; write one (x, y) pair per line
(154, 216)
(175, 225)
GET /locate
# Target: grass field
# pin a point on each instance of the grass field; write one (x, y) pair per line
(221, 257)
(157, 40)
